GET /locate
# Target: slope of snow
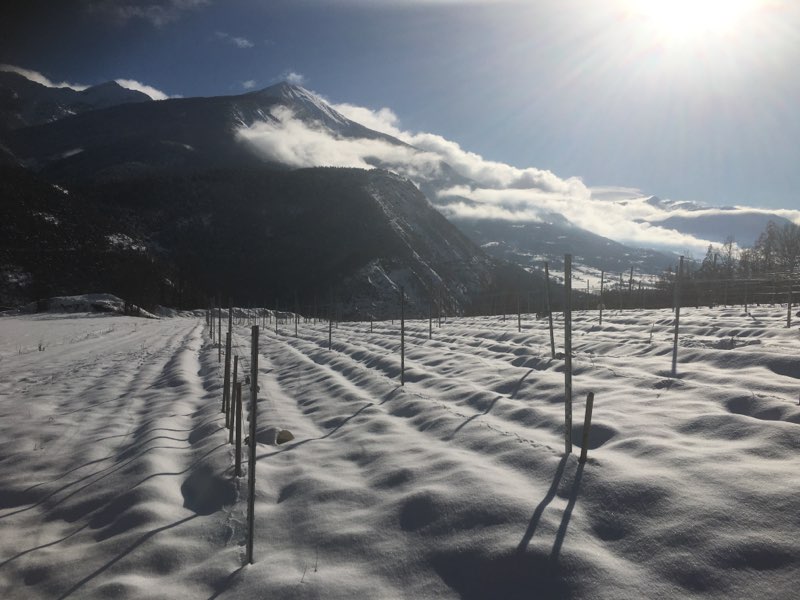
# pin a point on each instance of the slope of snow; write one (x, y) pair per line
(116, 475)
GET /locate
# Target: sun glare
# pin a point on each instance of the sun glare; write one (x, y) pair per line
(690, 19)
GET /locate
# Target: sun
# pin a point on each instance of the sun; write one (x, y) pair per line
(684, 20)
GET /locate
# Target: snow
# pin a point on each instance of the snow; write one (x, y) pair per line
(84, 303)
(123, 241)
(47, 218)
(116, 476)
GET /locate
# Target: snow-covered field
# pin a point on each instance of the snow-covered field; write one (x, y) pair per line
(116, 479)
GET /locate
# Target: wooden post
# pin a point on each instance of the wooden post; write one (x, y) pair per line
(219, 332)
(587, 424)
(402, 336)
(630, 288)
(231, 405)
(251, 469)
(746, 290)
(519, 315)
(677, 303)
(549, 308)
(789, 308)
(370, 323)
(227, 394)
(330, 329)
(238, 427)
(430, 319)
(602, 284)
(588, 300)
(568, 353)
(226, 381)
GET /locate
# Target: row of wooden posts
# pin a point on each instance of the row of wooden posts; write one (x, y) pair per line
(231, 401)
(232, 388)
(232, 408)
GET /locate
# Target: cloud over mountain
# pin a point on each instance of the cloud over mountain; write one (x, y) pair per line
(497, 191)
(132, 84)
(37, 77)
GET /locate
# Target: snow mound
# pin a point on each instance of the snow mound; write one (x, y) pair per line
(86, 303)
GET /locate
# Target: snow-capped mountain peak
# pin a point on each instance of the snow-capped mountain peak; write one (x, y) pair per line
(306, 104)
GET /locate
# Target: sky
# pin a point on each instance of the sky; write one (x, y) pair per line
(698, 101)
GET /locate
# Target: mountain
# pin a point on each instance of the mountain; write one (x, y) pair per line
(716, 225)
(743, 225)
(182, 135)
(531, 243)
(109, 133)
(169, 135)
(24, 102)
(260, 236)
(55, 241)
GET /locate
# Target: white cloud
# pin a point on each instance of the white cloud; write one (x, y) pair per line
(132, 84)
(293, 142)
(615, 192)
(609, 219)
(157, 12)
(490, 189)
(469, 164)
(37, 77)
(294, 78)
(249, 84)
(239, 42)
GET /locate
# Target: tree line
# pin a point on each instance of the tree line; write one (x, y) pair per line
(763, 273)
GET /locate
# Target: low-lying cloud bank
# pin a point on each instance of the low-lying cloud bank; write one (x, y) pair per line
(39, 78)
(488, 189)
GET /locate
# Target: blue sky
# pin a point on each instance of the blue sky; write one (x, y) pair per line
(589, 89)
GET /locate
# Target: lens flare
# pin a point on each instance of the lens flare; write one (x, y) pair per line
(689, 19)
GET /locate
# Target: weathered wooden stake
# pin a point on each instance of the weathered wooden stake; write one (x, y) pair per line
(630, 286)
(219, 332)
(789, 308)
(746, 290)
(232, 407)
(402, 336)
(251, 483)
(226, 381)
(548, 306)
(330, 329)
(677, 303)
(587, 424)
(602, 284)
(238, 427)
(430, 320)
(568, 353)
(519, 315)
